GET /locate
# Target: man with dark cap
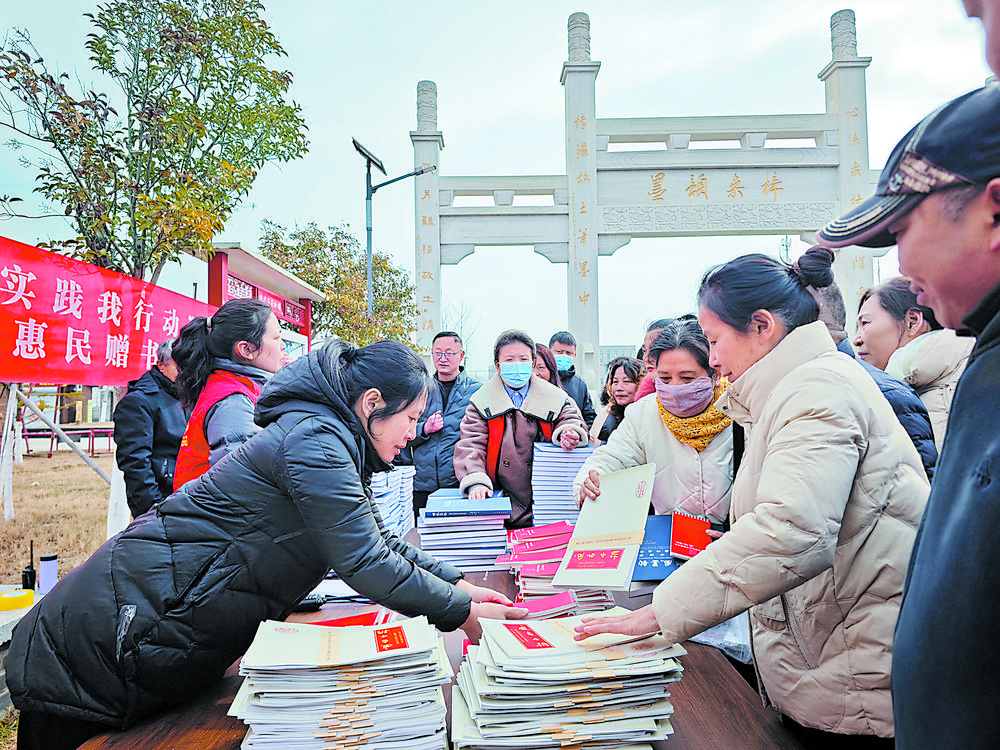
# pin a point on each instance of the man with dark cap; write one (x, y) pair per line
(938, 199)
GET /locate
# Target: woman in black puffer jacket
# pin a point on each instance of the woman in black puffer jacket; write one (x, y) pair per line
(165, 607)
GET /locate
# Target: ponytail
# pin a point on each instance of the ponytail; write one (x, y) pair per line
(204, 341)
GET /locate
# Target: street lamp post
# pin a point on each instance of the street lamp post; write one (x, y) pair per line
(370, 189)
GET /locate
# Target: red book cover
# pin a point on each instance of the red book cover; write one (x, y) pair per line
(596, 559)
(390, 639)
(688, 535)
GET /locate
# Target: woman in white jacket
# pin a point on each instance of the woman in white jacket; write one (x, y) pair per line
(679, 430)
(825, 509)
(904, 338)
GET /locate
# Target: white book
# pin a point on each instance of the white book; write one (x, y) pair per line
(609, 532)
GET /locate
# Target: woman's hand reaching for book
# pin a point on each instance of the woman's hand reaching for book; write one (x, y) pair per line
(490, 611)
(481, 594)
(640, 622)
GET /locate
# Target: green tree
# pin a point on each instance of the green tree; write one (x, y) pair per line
(202, 112)
(334, 262)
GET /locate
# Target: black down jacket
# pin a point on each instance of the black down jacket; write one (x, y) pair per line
(165, 607)
(433, 454)
(149, 424)
(576, 388)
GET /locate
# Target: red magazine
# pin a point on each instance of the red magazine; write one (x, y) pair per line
(688, 535)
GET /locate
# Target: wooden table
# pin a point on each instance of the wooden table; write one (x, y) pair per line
(714, 707)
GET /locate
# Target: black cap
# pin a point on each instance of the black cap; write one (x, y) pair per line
(957, 144)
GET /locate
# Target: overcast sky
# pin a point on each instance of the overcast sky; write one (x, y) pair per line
(500, 108)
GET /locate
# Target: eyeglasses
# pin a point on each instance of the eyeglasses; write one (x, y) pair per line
(445, 355)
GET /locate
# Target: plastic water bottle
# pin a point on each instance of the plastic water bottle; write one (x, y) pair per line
(48, 572)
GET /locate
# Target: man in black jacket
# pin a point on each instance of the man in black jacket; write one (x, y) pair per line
(938, 200)
(149, 424)
(439, 427)
(563, 346)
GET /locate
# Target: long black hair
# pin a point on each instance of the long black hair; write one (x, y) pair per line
(634, 370)
(204, 341)
(545, 354)
(389, 366)
(735, 290)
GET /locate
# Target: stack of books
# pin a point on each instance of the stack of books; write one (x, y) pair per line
(530, 685)
(467, 533)
(310, 686)
(605, 542)
(552, 473)
(393, 493)
(533, 555)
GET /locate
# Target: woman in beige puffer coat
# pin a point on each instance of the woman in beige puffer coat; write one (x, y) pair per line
(825, 508)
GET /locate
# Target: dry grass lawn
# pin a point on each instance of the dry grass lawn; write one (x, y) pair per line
(62, 504)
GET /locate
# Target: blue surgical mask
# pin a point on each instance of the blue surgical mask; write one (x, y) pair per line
(515, 374)
(563, 362)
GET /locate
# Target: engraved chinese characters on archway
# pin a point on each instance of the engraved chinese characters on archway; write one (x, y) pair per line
(65, 321)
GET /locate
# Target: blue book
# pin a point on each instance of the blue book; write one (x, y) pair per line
(654, 562)
(451, 507)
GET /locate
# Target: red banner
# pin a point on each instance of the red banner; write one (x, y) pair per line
(69, 322)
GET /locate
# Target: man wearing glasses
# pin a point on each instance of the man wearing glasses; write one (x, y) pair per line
(439, 427)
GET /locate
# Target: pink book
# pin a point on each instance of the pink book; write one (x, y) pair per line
(550, 606)
(539, 570)
(548, 542)
(541, 556)
(534, 532)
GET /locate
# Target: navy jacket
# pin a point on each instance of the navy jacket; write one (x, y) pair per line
(577, 389)
(149, 424)
(909, 410)
(166, 606)
(946, 652)
(432, 454)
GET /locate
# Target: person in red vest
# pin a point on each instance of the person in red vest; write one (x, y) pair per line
(224, 362)
(503, 421)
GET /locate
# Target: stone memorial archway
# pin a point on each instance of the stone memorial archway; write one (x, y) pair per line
(607, 197)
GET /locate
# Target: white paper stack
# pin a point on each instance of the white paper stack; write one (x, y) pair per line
(393, 493)
(552, 473)
(310, 686)
(469, 534)
(530, 685)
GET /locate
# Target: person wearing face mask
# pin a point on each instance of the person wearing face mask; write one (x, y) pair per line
(161, 610)
(825, 510)
(504, 420)
(679, 430)
(563, 346)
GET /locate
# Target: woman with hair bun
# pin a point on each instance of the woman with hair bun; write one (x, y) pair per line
(224, 362)
(825, 508)
(166, 606)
